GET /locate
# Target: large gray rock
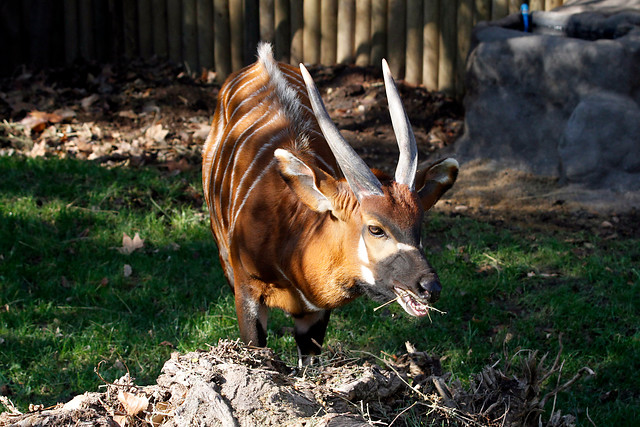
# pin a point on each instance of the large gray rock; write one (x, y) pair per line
(567, 105)
(600, 144)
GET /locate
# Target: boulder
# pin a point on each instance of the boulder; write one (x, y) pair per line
(563, 101)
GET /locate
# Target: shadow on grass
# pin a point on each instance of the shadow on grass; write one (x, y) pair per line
(70, 299)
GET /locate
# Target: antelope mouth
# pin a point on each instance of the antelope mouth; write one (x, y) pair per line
(410, 304)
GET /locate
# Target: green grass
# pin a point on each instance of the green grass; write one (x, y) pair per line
(66, 305)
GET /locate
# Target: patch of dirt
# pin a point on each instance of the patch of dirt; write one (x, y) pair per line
(139, 114)
(235, 385)
(489, 192)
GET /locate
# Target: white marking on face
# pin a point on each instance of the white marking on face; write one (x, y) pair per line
(405, 247)
(362, 251)
(367, 275)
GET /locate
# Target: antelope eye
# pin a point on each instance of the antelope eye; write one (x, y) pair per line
(376, 231)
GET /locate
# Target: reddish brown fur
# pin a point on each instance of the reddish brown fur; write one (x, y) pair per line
(277, 246)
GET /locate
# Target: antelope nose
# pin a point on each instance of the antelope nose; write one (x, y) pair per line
(429, 288)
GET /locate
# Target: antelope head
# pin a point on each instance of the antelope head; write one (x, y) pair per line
(383, 219)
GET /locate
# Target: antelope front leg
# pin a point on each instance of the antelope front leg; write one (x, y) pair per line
(252, 317)
(309, 333)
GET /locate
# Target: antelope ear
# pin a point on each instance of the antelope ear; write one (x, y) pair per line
(432, 182)
(313, 186)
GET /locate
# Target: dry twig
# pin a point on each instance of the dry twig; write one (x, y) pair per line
(4, 400)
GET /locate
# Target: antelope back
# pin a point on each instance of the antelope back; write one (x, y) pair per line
(261, 108)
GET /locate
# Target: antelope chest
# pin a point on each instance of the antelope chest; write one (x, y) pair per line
(289, 299)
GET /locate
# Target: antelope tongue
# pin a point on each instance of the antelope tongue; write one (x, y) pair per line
(410, 304)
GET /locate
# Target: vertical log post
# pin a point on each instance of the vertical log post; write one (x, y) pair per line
(174, 29)
(283, 30)
(552, 4)
(346, 31)
(103, 35)
(464, 24)
(204, 9)
(236, 23)
(415, 35)
(297, 30)
(378, 31)
(267, 21)
(221, 48)
(251, 30)
(117, 30)
(129, 12)
(363, 32)
(513, 6)
(448, 47)
(328, 31)
(397, 37)
(431, 42)
(481, 11)
(85, 33)
(145, 34)
(499, 9)
(311, 36)
(536, 5)
(70, 30)
(160, 28)
(190, 34)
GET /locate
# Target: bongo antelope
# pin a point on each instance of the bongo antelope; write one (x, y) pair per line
(301, 223)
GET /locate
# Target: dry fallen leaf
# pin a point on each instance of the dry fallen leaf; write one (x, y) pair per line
(64, 113)
(202, 131)
(129, 114)
(39, 150)
(89, 100)
(37, 120)
(133, 404)
(129, 245)
(160, 412)
(156, 133)
(120, 420)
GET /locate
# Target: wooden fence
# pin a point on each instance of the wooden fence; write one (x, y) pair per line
(425, 41)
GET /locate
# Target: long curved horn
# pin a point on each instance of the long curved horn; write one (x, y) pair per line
(408, 161)
(360, 178)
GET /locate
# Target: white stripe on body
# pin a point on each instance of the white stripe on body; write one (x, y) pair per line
(218, 191)
(237, 214)
(213, 148)
(237, 154)
(267, 148)
(307, 304)
(247, 133)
